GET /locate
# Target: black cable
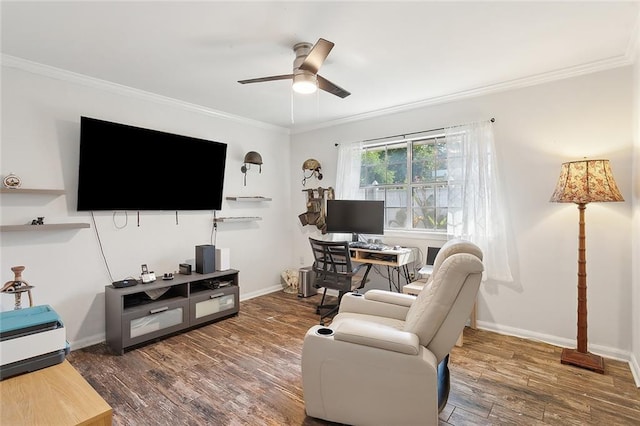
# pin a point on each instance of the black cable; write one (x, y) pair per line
(214, 230)
(104, 258)
(126, 220)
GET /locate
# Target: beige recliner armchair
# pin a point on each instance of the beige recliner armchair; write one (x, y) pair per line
(377, 363)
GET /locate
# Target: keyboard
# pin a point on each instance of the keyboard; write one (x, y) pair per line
(358, 244)
(368, 246)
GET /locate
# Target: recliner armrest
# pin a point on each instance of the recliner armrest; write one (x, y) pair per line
(390, 297)
(377, 336)
(383, 307)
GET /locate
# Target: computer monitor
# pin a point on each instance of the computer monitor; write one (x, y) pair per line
(432, 252)
(355, 217)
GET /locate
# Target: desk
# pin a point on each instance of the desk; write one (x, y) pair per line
(56, 395)
(395, 259)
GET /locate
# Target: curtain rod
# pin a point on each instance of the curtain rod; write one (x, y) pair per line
(493, 120)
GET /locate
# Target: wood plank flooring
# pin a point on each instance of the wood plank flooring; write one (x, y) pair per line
(245, 370)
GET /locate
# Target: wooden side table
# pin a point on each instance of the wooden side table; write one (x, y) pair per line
(56, 395)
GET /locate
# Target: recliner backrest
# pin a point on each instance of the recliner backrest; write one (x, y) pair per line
(454, 246)
(441, 309)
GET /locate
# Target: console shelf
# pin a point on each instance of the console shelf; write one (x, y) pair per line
(146, 312)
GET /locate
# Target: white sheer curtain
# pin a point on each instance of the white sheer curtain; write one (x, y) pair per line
(348, 177)
(476, 209)
(348, 173)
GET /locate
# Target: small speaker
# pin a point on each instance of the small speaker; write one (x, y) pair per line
(223, 261)
(185, 269)
(205, 259)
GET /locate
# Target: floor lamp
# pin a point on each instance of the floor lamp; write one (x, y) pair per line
(583, 182)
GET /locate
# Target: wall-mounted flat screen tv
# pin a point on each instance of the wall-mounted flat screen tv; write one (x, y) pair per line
(355, 217)
(123, 167)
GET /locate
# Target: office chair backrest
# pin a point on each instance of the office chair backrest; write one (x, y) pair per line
(441, 309)
(332, 264)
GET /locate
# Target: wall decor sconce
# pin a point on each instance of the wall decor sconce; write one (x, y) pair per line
(313, 165)
(582, 182)
(250, 157)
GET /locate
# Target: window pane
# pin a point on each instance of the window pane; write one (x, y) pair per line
(441, 219)
(397, 218)
(373, 169)
(422, 162)
(396, 196)
(423, 203)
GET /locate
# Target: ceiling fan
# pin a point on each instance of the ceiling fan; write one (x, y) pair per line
(309, 59)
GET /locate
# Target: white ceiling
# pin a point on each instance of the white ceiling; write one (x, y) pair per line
(390, 55)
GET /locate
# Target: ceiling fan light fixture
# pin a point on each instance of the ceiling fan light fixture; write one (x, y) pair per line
(305, 83)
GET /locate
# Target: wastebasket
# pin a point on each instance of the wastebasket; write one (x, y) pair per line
(306, 278)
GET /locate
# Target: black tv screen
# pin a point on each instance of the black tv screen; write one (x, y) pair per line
(124, 167)
(355, 216)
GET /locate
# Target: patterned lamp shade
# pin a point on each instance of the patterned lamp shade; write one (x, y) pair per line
(586, 181)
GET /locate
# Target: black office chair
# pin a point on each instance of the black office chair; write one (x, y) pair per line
(333, 270)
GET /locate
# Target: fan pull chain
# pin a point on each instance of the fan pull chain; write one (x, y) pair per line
(292, 121)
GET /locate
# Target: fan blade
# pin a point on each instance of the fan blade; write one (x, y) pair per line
(334, 89)
(317, 55)
(272, 78)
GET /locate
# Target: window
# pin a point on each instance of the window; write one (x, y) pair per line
(410, 175)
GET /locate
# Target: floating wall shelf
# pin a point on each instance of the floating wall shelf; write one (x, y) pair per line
(32, 191)
(255, 198)
(45, 227)
(237, 219)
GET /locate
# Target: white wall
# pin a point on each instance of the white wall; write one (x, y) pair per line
(635, 199)
(40, 140)
(536, 129)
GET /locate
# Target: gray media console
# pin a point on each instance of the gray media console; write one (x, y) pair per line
(145, 312)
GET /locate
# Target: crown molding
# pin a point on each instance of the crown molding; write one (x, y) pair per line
(107, 86)
(589, 68)
(36, 68)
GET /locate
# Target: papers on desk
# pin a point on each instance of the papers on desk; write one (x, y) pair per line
(426, 270)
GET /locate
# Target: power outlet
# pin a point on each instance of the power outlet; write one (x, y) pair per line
(302, 260)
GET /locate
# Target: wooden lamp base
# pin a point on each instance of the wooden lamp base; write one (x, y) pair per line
(583, 359)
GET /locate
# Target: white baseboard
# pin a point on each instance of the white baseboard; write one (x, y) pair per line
(605, 351)
(87, 341)
(635, 369)
(261, 292)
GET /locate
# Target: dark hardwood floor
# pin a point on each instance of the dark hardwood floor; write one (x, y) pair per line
(245, 370)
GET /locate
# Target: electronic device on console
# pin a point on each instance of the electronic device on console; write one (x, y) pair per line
(147, 276)
(128, 282)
